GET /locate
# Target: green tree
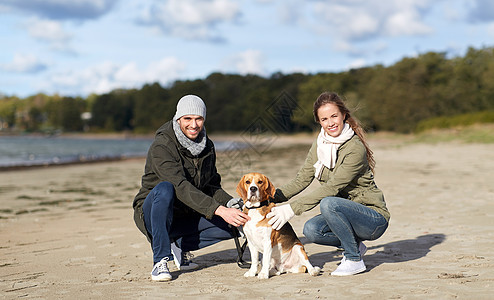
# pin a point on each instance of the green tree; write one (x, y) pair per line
(113, 111)
(151, 108)
(8, 112)
(71, 110)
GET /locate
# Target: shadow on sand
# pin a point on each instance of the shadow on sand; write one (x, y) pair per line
(394, 252)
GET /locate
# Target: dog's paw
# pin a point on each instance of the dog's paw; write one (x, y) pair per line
(315, 271)
(263, 275)
(250, 273)
(274, 272)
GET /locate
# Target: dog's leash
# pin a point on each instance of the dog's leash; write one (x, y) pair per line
(240, 248)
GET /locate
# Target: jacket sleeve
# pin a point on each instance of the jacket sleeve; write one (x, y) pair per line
(168, 167)
(304, 176)
(219, 195)
(352, 164)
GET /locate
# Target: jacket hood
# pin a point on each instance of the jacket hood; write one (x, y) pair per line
(167, 129)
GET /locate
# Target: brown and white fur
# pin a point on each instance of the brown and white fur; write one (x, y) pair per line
(282, 250)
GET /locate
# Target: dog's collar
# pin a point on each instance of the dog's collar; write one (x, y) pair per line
(262, 203)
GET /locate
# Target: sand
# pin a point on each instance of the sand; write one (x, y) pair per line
(67, 232)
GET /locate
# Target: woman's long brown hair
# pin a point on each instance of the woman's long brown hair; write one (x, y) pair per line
(333, 98)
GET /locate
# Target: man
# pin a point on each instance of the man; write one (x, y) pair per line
(181, 206)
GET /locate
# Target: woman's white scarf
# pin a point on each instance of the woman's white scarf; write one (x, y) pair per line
(327, 147)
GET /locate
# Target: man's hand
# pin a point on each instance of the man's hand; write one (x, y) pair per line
(280, 215)
(232, 216)
(237, 203)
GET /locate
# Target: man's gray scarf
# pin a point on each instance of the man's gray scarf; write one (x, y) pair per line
(195, 147)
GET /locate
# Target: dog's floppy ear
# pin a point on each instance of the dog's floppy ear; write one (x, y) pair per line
(241, 191)
(270, 189)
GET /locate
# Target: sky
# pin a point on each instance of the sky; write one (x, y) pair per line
(80, 47)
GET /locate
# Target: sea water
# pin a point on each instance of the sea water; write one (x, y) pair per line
(24, 151)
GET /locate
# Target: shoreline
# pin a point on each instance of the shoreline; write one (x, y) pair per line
(256, 143)
(45, 165)
(237, 143)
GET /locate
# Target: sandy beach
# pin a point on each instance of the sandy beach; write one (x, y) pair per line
(67, 232)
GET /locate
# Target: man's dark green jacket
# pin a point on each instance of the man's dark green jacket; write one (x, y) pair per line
(195, 178)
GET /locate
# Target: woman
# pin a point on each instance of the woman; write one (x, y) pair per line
(352, 206)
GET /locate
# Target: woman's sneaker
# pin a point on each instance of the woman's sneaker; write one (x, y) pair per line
(349, 267)
(182, 259)
(160, 271)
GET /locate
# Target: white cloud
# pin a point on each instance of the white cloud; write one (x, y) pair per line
(360, 28)
(62, 9)
(490, 30)
(349, 22)
(362, 19)
(405, 23)
(108, 76)
(190, 19)
(248, 62)
(198, 13)
(290, 12)
(4, 8)
(24, 63)
(50, 32)
(163, 71)
(358, 63)
(481, 11)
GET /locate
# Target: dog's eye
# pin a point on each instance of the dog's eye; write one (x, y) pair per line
(247, 182)
(259, 182)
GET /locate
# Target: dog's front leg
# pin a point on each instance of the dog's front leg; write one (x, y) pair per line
(254, 256)
(266, 260)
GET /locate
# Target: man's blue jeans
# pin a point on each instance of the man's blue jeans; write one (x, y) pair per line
(191, 233)
(344, 223)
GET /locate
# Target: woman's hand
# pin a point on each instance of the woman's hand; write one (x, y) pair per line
(280, 215)
(232, 216)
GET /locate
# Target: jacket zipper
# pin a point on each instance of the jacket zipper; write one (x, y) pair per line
(198, 170)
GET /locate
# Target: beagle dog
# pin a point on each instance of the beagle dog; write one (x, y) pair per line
(282, 250)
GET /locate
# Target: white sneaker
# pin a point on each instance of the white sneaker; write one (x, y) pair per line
(349, 267)
(182, 260)
(362, 248)
(160, 271)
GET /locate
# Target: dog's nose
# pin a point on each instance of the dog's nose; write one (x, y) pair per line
(253, 189)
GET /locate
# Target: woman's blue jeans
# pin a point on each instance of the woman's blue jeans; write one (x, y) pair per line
(191, 232)
(344, 223)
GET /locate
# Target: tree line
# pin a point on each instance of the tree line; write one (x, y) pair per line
(394, 98)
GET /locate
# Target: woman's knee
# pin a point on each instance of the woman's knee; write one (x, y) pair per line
(329, 205)
(310, 229)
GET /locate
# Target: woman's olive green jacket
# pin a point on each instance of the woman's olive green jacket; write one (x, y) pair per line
(351, 178)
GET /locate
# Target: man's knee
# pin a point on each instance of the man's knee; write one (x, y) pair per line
(164, 191)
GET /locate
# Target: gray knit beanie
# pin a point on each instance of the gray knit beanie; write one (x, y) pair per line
(190, 105)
